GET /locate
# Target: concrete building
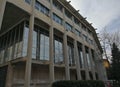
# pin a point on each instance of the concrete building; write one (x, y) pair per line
(42, 41)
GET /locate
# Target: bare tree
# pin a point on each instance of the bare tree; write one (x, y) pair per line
(107, 39)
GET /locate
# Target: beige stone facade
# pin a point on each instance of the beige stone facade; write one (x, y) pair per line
(43, 41)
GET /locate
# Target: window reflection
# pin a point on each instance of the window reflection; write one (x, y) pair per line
(71, 54)
(81, 56)
(88, 58)
(44, 47)
(25, 41)
(40, 49)
(14, 43)
(58, 50)
(34, 46)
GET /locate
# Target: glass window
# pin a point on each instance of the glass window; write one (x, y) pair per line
(6, 53)
(58, 49)
(85, 37)
(19, 51)
(37, 5)
(42, 8)
(57, 5)
(28, 1)
(81, 57)
(34, 44)
(77, 32)
(25, 41)
(57, 19)
(10, 54)
(68, 26)
(12, 43)
(71, 54)
(91, 41)
(76, 21)
(44, 47)
(83, 27)
(68, 14)
(88, 58)
(2, 49)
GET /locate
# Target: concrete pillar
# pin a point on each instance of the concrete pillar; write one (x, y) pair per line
(29, 50)
(2, 9)
(9, 78)
(76, 56)
(51, 49)
(92, 66)
(86, 65)
(67, 71)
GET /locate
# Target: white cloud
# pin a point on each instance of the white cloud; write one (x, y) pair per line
(99, 12)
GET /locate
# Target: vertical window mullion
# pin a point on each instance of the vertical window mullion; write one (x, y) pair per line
(39, 41)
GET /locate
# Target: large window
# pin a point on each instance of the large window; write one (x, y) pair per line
(71, 54)
(88, 58)
(57, 5)
(85, 37)
(81, 58)
(41, 8)
(58, 50)
(68, 14)
(14, 43)
(44, 47)
(25, 41)
(77, 32)
(90, 41)
(40, 48)
(28, 1)
(34, 46)
(77, 21)
(68, 26)
(57, 19)
(93, 58)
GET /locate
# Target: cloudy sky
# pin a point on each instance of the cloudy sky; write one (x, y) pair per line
(102, 13)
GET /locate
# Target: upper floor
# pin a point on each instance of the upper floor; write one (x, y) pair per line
(63, 16)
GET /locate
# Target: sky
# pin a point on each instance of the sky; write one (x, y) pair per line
(101, 13)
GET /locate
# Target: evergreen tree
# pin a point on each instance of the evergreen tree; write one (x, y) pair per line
(115, 66)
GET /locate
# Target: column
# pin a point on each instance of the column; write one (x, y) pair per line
(76, 56)
(51, 50)
(67, 71)
(9, 78)
(29, 50)
(92, 66)
(86, 65)
(2, 9)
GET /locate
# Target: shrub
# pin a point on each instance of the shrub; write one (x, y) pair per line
(80, 83)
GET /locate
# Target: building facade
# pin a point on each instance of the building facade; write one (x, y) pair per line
(42, 41)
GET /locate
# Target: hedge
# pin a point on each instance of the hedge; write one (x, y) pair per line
(86, 83)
